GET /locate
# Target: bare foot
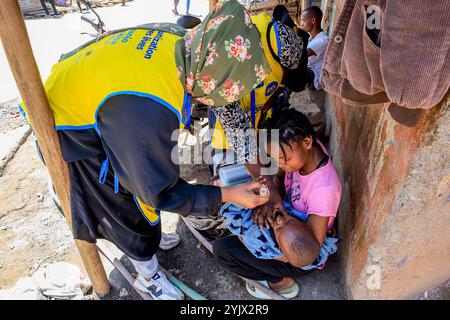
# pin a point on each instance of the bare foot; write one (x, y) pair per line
(283, 284)
(175, 12)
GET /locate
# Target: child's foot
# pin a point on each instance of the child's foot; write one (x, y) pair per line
(283, 284)
(288, 292)
(175, 12)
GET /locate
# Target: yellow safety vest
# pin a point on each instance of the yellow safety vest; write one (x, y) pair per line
(136, 62)
(265, 90)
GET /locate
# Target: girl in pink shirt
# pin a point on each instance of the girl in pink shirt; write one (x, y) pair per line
(315, 193)
(311, 184)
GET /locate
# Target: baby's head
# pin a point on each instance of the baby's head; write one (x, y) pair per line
(296, 137)
(295, 240)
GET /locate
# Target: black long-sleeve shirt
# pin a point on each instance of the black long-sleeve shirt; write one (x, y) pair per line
(137, 138)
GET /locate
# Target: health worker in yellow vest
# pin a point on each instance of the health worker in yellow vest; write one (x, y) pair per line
(234, 126)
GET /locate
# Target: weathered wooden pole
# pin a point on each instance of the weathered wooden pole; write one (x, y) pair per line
(18, 50)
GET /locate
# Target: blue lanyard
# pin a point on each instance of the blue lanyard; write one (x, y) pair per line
(104, 172)
(186, 111)
(253, 107)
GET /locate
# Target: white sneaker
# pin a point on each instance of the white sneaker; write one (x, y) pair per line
(169, 241)
(158, 287)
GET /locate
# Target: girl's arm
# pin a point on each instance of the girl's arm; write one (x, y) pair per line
(319, 227)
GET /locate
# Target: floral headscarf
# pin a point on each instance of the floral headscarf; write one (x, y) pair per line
(221, 60)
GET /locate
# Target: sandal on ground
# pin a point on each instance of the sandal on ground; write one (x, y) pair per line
(288, 293)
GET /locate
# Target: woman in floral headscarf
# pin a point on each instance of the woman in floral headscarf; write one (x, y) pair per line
(234, 114)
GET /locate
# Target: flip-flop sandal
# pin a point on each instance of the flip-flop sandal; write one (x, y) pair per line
(288, 293)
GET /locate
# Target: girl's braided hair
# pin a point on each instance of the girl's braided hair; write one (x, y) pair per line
(292, 125)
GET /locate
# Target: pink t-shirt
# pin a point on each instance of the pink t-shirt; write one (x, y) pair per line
(316, 193)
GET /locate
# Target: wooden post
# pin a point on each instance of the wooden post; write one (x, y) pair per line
(18, 50)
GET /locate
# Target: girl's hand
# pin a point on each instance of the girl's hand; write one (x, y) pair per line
(245, 195)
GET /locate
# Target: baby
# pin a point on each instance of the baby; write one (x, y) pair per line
(288, 239)
(311, 188)
(297, 243)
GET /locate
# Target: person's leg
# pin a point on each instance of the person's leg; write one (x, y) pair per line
(231, 253)
(99, 213)
(44, 6)
(153, 281)
(310, 79)
(86, 8)
(147, 269)
(52, 3)
(175, 7)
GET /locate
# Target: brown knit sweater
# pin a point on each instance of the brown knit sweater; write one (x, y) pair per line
(406, 61)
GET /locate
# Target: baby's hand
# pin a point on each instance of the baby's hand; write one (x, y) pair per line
(263, 215)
